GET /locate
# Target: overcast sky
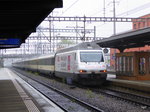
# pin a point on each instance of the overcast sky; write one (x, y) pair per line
(95, 8)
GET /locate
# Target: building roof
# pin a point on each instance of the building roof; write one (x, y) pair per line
(19, 18)
(132, 39)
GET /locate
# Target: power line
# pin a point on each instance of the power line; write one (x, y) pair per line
(70, 6)
(135, 9)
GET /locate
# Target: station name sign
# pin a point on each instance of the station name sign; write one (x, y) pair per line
(10, 41)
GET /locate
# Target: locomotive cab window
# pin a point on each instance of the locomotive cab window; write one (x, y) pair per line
(91, 57)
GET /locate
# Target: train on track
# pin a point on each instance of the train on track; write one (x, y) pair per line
(83, 63)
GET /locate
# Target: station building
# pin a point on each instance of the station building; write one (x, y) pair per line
(135, 26)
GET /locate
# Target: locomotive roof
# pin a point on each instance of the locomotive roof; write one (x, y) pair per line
(82, 46)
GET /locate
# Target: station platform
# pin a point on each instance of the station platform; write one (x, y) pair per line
(17, 96)
(143, 85)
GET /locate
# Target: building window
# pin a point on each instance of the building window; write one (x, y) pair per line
(139, 25)
(144, 24)
(134, 27)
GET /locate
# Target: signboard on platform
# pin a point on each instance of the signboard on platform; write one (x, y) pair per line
(10, 42)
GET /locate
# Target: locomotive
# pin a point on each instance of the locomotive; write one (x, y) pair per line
(83, 63)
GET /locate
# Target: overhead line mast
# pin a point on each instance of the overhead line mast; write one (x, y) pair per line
(114, 14)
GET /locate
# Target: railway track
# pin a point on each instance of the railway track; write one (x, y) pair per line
(126, 96)
(70, 108)
(104, 101)
(133, 96)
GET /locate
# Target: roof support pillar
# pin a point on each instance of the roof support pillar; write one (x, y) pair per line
(121, 50)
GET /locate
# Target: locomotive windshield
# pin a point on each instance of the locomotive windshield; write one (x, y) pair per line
(91, 57)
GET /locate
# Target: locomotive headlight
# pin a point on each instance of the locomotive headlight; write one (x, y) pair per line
(82, 71)
(103, 70)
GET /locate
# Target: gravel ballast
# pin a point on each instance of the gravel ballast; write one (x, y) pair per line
(105, 102)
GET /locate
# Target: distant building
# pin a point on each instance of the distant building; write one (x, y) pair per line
(135, 26)
(141, 25)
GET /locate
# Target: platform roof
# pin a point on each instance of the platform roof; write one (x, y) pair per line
(19, 18)
(132, 39)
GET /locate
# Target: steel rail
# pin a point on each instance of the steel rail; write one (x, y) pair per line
(89, 106)
(137, 99)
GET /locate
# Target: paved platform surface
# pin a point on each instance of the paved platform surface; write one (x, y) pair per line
(10, 100)
(14, 98)
(139, 85)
